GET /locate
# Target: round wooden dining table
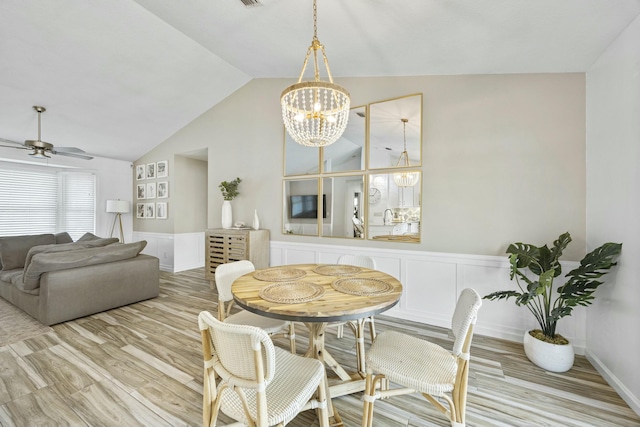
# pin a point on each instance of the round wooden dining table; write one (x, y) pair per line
(316, 295)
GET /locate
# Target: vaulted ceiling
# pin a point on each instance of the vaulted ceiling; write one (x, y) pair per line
(118, 77)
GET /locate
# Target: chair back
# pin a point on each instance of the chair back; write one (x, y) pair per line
(464, 317)
(227, 273)
(232, 351)
(358, 261)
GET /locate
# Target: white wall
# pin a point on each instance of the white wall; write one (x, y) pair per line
(504, 157)
(113, 181)
(613, 209)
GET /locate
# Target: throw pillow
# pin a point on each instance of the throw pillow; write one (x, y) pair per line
(14, 249)
(63, 238)
(87, 236)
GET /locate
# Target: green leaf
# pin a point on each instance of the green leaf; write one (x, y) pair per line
(524, 254)
(502, 295)
(582, 281)
(556, 252)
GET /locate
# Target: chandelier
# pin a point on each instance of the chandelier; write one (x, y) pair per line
(315, 113)
(405, 179)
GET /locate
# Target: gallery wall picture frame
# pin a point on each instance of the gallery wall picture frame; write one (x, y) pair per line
(142, 191)
(140, 208)
(161, 210)
(163, 190)
(162, 169)
(151, 190)
(151, 170)
(149, 210)
(140, 172)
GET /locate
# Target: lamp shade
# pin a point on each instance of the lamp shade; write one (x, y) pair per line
(117, 206)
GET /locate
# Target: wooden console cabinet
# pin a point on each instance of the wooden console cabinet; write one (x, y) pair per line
(228, 245)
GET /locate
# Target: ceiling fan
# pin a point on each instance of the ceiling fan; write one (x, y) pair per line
(41, 148)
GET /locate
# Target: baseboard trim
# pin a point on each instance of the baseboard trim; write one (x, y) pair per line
(612, 379)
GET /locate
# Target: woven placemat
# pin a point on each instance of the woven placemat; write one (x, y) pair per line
(337, 270)
(291, 292)
(279, 274)
(361, 286)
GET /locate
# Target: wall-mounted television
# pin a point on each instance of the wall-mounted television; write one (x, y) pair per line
(306, 206)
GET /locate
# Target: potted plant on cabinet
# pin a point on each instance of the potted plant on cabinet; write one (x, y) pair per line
(229, 191)
(543, 346)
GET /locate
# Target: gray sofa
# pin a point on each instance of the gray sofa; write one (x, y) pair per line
(54, 279)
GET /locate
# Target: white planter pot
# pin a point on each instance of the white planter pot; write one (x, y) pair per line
(550, 357)
(227, 219)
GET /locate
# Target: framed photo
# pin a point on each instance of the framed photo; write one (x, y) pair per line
(151, 170)
(139, 210)
(149, 210)
(162, 169)
(151, 190)
(140, 172)
(142, 193)
(161, 210)
(163, 190)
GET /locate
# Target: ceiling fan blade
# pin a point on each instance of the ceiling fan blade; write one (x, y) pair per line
(78, 156)
(69, 150)
(8, 141)
(14, 146)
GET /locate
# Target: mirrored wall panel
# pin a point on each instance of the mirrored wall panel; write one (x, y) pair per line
(344, 196)
(394, 211)
(395, 134)
(347, 153)
(298, 159)
(302, 206)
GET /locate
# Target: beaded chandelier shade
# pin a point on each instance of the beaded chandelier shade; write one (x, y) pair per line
(315, 113)
(405, 179)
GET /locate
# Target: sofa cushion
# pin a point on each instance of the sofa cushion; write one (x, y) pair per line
(14, 249)
(63, 238)
(64, 247)
(55, 261)
(15, 278)
(87, 236)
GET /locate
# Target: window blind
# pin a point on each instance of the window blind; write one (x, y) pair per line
(37, 202)
(77, 208)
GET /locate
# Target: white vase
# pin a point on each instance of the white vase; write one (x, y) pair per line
(548, 356)
(227, 216)
(256, 221)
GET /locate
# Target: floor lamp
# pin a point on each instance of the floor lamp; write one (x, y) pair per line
(118, 207)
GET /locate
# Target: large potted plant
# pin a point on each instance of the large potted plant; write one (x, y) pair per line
(534, 269)
(229, 191)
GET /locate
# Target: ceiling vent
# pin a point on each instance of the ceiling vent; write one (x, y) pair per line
(251, 3)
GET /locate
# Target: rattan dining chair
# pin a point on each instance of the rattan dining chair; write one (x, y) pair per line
(224, 276)
(259, 384)
(358, 261)
(420, 366)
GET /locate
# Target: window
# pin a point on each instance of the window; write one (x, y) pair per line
(37, 200)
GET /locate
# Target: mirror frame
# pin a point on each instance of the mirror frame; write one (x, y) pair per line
(386, 132)
(340, 201)
(408, 106)
(301, 222)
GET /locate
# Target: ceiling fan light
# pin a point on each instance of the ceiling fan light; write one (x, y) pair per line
(39, 154)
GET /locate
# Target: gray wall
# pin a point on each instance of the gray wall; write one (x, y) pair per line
(613, 207)
(504, 158)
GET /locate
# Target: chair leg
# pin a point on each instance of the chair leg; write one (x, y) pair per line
(340, 331)
(372, 328)
(323, 408)
(369, 399)
(292, 337)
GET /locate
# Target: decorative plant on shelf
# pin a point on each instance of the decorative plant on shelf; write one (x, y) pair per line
(537, 293)
(230, 189)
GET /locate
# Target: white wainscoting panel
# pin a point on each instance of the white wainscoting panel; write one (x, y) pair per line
(432, 282)
(188, 251)
(176, 252)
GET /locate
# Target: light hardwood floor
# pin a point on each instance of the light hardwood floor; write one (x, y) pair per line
(141, 365)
